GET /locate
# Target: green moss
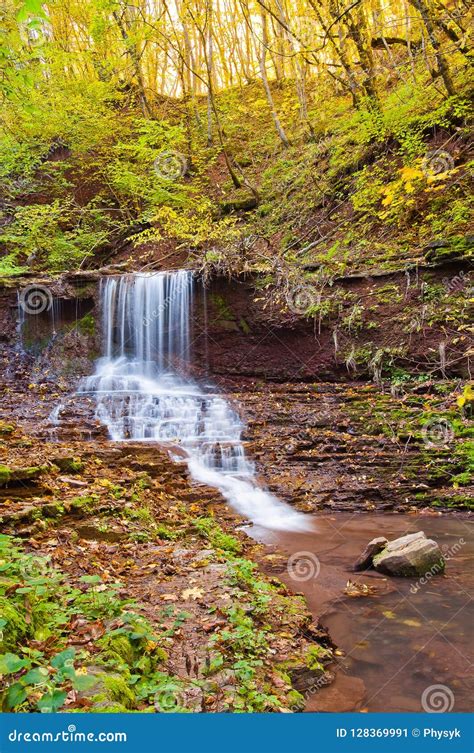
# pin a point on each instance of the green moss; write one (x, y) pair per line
(223, 311)
(208, 528)
(166, 533)
(296, 701)
(69, 464)
(6, 429)
(15, 629)
(86, 325)
(103, 706)
(118, 648)
(13, 475)
(83, 503)
(314, 657)
(118, 690)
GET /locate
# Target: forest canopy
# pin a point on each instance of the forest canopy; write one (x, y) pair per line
(123, 123)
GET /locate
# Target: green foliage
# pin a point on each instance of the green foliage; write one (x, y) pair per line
(211, 530)
(57, 234)
(37, 606)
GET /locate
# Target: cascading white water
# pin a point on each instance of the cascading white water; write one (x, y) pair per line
(143, 394)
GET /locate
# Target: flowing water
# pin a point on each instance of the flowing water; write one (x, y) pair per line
(143, 391)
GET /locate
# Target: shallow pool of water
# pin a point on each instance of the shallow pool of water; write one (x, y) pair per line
(404, 639)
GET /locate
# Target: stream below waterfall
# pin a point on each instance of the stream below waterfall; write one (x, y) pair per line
(408, 635)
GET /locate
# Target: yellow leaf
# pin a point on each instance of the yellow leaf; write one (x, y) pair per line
(192, 593)
(389, 615)
(410, 173)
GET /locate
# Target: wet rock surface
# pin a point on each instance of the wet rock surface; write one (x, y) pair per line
(373, 547)
(342, 448)
(410, 556)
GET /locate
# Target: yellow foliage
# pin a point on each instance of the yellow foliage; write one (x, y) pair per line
(467, 396)
(408, 174)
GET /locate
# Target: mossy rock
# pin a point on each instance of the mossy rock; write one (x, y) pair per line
(69, 464)
(6, 429)
(125, 652)
(51, 510)
(457, 248)
(105, 707)
(109, 690)
(239, 204)
(118, 648)
(118, 691)
(15, 629)
(20, 475)
(296, 701)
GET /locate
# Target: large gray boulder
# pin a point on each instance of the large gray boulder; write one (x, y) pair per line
(411, 556)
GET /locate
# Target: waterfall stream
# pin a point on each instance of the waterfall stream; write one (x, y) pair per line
(143, 391)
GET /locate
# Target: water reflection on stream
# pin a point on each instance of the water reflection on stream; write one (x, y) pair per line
(400, 641)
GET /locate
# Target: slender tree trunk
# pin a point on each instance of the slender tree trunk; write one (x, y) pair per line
(135, 58)
(263, 73)
(443, 68)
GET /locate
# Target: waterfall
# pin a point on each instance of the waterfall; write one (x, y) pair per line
(143, 391)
